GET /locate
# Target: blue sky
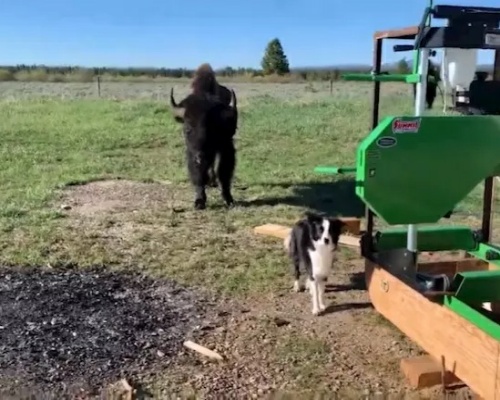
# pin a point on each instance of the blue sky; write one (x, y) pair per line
(166, 33)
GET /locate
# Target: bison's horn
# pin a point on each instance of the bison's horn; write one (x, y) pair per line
(234, 100)
(178, 111)
(172, 100)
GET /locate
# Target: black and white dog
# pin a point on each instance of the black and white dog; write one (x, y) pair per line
(311, 245)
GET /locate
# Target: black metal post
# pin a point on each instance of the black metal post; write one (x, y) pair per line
(489, 183)
(377, 65)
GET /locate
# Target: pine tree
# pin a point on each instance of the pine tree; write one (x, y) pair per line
(275, 60)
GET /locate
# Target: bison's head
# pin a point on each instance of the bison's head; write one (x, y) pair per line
(227, 113)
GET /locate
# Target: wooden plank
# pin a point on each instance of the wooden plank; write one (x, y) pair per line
(425, 371)
(401, 33)
(469, 352)
(282, 231)
(277, 231)
(451, 267)
(353, 226)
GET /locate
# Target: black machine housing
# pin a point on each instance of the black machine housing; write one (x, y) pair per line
(467, 28)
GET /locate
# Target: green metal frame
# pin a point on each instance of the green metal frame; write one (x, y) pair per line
(475, 317)
(430, 238)
(439, 151)
(408, 78)
(477, 286)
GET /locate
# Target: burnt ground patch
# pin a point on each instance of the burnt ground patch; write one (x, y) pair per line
(65, 329)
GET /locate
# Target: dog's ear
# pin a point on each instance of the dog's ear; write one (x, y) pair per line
(338, 225)
(313, 217)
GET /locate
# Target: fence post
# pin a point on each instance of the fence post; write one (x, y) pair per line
(98, 85)
(331, 85)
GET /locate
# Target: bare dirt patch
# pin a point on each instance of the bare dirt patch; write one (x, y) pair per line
(274, 347)
(101, 198)
(63, 331)
(269, 339)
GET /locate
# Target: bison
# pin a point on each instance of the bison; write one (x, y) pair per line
(432, 86)
(209, 126)
(204, 82)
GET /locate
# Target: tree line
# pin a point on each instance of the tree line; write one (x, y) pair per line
(274, 67)
(43, 73)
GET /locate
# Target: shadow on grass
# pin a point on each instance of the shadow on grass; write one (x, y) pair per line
(337, 198)
(356, 282)
(333, 308)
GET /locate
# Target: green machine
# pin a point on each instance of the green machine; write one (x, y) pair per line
(412, 170)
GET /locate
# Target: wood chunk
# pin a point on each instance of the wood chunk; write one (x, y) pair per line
(277, 231)
(351, 241)
(281, 231)
(129, 390)
(202, 350)
(424, 371)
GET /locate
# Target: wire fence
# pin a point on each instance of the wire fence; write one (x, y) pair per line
(160, 90)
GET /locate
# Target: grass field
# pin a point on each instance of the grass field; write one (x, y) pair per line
(102, 181)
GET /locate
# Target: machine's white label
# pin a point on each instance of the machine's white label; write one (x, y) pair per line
(492, 39)
(406, 126)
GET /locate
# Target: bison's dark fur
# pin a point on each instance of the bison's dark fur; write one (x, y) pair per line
(204, 82)
(209, 126)
(431, 92)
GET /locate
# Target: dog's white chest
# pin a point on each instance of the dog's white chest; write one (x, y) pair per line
(321, 260)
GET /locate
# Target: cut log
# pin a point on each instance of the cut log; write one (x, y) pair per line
(281, 231)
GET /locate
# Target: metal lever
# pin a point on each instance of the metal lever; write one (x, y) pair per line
(403, 47)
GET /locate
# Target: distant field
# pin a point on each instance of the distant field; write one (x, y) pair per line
(62, 150)
(160, 91)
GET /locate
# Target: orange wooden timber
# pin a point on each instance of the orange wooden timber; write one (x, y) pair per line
(281, 231)
(466, 351)
(400, 33)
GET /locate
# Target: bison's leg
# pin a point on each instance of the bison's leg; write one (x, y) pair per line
(198, 166)
(431, 94)
(225, 171)
(212, 178)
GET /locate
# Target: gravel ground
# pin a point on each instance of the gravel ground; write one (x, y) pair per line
(64, 330)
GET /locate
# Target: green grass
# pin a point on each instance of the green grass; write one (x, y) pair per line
(55, 152)
(48, 145)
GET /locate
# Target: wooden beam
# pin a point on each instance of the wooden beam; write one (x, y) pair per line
(401, 33)
(425, 371)
(469, 352)
(353, 226)
(281, 232)
(451, 267)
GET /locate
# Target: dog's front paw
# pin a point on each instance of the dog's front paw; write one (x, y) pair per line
(322, 307)
(297, 287)
(316, 311)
